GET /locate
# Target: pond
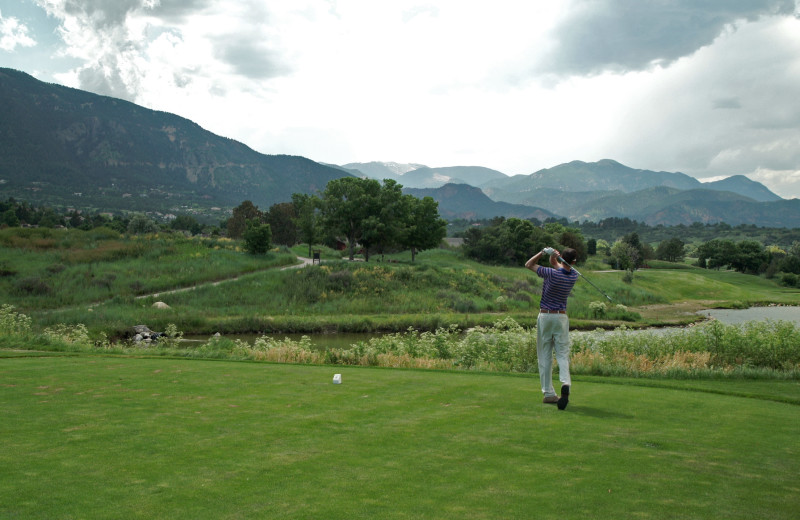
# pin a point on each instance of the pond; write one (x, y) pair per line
(345, 339)
(735, 316)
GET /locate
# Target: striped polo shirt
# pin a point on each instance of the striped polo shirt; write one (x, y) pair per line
(556, 287)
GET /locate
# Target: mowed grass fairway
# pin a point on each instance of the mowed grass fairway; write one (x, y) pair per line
(118, 437)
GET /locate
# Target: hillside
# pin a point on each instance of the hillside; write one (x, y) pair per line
(467, 202)
(60, 145)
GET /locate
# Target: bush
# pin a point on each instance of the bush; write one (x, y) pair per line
(13, 323)
(789, 280)
(33, 286)
(598, 309)
(257, 238)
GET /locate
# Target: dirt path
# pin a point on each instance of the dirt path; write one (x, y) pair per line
(303, 262)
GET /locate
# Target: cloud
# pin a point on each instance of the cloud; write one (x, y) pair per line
(126, 45)
(14, 34)
(626, 35)
(730, 109)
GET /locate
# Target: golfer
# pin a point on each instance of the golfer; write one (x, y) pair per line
(552, 325)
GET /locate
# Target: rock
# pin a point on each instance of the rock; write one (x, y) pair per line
(160, 305)
(142, 329)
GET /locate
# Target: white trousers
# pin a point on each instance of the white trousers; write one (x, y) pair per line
(552, 334)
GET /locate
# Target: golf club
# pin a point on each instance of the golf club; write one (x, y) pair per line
(579, 274)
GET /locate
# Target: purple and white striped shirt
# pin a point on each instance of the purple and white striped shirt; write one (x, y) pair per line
(556, 287)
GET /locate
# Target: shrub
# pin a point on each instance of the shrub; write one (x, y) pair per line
(13, 323)
(70, 334)
(32, 286)
(171, 337)
(257, 238)
(789, 280)
(598, 309)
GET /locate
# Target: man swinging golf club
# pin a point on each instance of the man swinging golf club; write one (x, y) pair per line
(552, 325)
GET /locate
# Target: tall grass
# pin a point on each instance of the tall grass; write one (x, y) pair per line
(48, 269)
(755, 349)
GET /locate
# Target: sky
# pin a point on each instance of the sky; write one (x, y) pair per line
(710, 88)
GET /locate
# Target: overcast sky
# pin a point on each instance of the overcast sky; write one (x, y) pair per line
(710, 88)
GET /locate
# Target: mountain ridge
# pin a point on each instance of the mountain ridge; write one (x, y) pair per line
(115, 152)
(63, 146)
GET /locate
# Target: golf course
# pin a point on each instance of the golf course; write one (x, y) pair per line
(440, 415)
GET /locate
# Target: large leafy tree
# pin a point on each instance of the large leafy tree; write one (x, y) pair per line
(716, 253)
(750, 257)
(385, 228)
(671, 250)
(281, 219)
(307, 220)
(508, 242)
(346, 205)
(424, 228)
(243, 213)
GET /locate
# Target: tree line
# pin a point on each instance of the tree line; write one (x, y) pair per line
(364, 215)
(612, 229)
(512, 241)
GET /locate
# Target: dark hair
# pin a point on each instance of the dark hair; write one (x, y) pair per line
(569, 255)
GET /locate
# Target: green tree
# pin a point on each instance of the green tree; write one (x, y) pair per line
(573, 239)
(140, 224)
(424, 229)
(307, 221)
(346, 204)
(10, 218)
(626, 256)
(75, 219)
(672, 250)
(186, 223)
(591, 246)
(716, 253)
(508, 242)
(281, 218)
(257, 238)
(632, 239)
(242, 213)
(750, 257)
(386, 228)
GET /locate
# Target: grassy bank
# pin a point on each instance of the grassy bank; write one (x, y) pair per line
(110, 282)
(751, 350)
(163, 438)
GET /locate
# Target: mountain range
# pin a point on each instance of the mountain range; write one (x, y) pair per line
(67, 147)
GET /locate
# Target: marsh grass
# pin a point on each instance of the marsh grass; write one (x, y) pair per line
(754, 349)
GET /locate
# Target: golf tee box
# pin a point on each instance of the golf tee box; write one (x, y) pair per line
(337, 379)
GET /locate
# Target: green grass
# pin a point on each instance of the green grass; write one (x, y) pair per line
(99, 437)
(103, 280)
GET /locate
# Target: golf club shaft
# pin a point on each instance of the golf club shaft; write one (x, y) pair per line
(590, 283)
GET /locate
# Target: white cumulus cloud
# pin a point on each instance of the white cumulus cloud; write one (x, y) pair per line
(13, 34)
